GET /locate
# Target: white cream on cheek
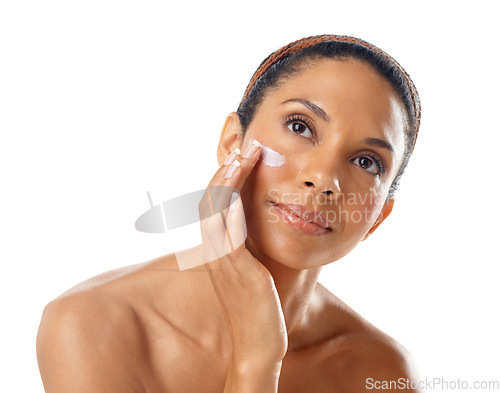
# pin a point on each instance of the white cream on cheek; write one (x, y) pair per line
(271, 157)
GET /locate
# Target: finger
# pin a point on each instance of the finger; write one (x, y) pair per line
(238, 172)
(219, 175)
(218, 192)
(234, 179)
(236, 229)
(231, 175)
(221, 240)
(223, 236)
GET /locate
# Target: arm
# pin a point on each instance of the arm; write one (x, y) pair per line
(245, 290)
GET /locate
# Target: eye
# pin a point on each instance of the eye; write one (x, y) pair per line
(371, 163)
(300, 129)
(298, 124)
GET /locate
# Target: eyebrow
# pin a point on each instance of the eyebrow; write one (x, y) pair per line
(379, 143)
(321, 113)
(310, 105)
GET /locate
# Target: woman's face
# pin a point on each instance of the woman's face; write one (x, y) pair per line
(340, 127)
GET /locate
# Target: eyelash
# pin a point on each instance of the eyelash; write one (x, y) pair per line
(298, 118)
(377, 160)
(304, 120)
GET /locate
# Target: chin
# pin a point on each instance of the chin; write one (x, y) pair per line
(286, 251)
(272, 239)
(276, 242)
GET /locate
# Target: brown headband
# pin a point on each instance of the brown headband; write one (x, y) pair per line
(298, 45)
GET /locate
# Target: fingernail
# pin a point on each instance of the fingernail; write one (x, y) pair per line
(252, 147)
(230, 158)
(232, 169)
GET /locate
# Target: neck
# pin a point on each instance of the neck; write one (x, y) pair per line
(295, 289)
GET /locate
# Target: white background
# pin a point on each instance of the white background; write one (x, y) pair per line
(101, 101)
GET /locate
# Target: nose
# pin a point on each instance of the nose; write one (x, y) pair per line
(327, 190)
(320, 177)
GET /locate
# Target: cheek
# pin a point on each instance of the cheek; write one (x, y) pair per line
(268, 175)
(362, 210)
(263, 183)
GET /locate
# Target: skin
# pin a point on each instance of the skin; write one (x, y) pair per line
(255, 320)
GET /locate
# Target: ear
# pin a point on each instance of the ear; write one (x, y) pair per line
(231, 137)
(384, 213)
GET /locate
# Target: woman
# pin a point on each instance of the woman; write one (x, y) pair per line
(341, 117)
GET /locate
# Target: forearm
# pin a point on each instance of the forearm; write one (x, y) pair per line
(249, 377)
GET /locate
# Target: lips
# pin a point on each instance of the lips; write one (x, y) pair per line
(303, 219)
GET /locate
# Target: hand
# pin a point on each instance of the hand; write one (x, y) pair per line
(244, 287)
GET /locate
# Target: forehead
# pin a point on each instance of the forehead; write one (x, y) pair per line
(351, 92)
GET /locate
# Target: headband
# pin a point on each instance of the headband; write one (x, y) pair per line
(307, 42)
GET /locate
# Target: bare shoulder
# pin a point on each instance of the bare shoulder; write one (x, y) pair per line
(92, 332)
(78, 344)
(362, 358)
(363, 362)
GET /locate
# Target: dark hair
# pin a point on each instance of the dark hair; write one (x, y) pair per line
(290, 59)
